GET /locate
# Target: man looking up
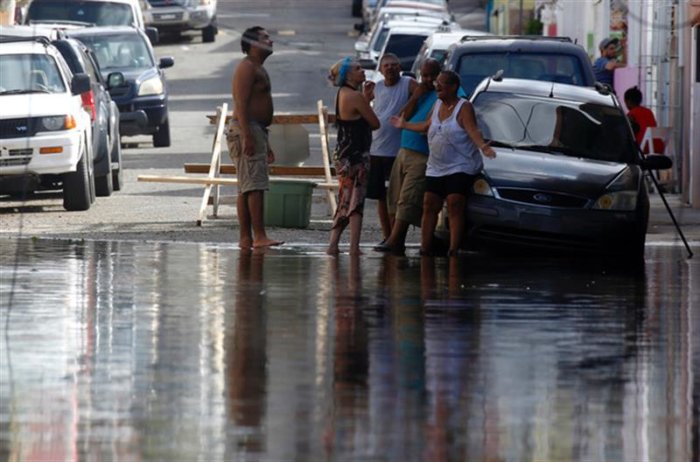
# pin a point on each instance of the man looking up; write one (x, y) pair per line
(247, 136)
(389, 97)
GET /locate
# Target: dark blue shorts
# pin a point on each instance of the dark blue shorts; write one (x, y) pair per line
(443, 186)
(379, 173)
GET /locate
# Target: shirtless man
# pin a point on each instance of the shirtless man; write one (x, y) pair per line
(247, 136)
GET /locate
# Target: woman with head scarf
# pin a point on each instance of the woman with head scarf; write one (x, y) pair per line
(355, 121)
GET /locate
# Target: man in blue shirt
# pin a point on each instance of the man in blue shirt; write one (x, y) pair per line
(407, 180)
(604, 67)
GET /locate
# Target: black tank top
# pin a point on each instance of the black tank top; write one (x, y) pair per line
(354, 137)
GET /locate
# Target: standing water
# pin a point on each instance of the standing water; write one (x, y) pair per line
(153, 351)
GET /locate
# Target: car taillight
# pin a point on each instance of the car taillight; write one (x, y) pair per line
(89, 103)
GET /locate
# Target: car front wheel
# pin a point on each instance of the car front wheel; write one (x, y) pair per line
(161, 138)
(76, 187)
(209, 33)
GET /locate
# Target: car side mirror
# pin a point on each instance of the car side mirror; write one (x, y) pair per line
(656, 162)
(80, 84)
(166, 62)
(152, 34)
(115, 79)
(366, 63)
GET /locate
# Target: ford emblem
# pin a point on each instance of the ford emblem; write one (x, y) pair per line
(543, 198)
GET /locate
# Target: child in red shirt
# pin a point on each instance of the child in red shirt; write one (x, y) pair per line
(641, 118)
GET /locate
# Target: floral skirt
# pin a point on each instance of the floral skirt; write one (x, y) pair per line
(352, 189)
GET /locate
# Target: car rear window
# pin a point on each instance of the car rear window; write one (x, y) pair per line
(549, 125)
(28, 73)
(119, 51)
(97, 13)
(406, 47)
(562, 68)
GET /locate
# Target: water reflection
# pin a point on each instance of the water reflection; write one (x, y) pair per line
(147, 351)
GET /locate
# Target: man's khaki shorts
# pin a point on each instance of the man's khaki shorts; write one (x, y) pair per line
(407, 185)
(252, 171)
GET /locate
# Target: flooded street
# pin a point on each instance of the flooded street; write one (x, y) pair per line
(157, 351)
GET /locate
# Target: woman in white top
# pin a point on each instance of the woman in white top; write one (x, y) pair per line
(456, 145)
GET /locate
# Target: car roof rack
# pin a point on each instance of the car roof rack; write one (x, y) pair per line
(512, 37)
(14, 39)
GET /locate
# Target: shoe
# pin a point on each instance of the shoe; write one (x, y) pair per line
(383, 247)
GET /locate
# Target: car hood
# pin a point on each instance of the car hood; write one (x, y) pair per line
(34, 105)
(547, 172)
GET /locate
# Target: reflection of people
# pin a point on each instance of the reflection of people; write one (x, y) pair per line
(247, 136)
(641, 118)
(355, 121)
(407, 182)
(390, 95)
(455, 145)
(246, 356)
(604, 67)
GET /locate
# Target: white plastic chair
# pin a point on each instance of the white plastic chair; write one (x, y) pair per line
(667, 178)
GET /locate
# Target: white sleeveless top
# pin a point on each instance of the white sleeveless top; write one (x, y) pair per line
(388, 101)
(451, 148)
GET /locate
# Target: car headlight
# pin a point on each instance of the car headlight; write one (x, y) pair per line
(482, 187)
(61, 122)
(621, 200)
(152, 86)
(621, 193)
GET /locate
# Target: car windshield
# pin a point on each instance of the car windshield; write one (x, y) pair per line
(29, 73)
(406, 47)
(119, 51)
(557, 127)
(97, 13)
(562, 68)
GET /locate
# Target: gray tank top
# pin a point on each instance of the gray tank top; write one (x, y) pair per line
(451, 148)
(388, 101)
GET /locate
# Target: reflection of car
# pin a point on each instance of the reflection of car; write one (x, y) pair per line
(567, 173)
(86, 12)
(136, 81)
(45, 131)
(552, 59)
(182, 15)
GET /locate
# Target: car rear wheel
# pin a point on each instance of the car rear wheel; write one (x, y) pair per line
(104, 185)
(117, 175)
(161, 138)
(209, 33)
(76, 187)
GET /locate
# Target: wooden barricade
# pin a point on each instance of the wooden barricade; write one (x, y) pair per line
(215, 168)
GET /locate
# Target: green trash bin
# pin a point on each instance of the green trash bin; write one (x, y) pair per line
(288, 203)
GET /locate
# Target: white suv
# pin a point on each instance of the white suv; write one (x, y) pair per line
(45, 131)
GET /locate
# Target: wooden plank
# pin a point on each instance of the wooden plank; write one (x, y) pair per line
(214, 166)
(280, 170)
(187, 180)
(282, 119)
(325, 153)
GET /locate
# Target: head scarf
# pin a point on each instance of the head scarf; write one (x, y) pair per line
(343, 72)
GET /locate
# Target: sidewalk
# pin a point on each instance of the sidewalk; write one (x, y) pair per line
(660, 222)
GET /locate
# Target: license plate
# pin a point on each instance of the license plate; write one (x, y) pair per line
(166, 17)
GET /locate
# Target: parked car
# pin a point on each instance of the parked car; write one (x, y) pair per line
(136, 81)
(104, 113)
(568, 173)
(45, 132)
(553, 59)
(437, 44)
(369, 46)
(426, 7)
(183, 15)
(86, 12)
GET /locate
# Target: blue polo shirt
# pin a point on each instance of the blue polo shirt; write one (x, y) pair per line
(417, 141)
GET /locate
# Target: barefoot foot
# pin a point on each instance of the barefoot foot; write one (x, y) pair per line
(266, 243)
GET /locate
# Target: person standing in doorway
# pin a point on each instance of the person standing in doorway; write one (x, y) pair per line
(247, 136)
(604, 67)
(389, 97)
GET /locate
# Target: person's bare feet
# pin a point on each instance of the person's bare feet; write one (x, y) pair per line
(355, 252)
(266, 243)
(245, 243)
(332, 250)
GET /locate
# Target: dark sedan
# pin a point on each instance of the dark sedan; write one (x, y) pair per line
(136, 80)
(567, 175)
